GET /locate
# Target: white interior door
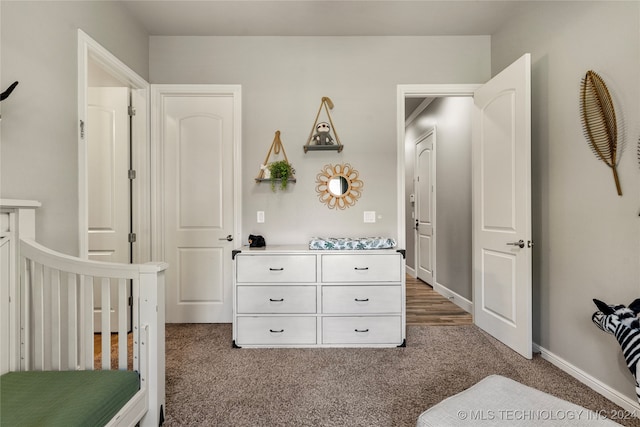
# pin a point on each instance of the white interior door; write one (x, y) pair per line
(424, 183)
(501, 158)
(108, 156)
(198, 130)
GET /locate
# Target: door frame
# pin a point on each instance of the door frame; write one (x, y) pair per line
(416, 91)
(434, 165)
(157, 169)
(89, 49)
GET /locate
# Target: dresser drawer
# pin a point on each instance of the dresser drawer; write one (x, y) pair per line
(362, 330)
(276, 299)
(276, 268)
(361, 268)
(361, 299)
(276, 330)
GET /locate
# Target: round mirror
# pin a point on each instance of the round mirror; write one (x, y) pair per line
(338, 186)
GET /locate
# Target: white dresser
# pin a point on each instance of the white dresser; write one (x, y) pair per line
(290, 296)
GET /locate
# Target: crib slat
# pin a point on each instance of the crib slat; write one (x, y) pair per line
(72, 321)
(86, 325)
(105, 328)
(26, 283)
(135, 295)
(56, 329)
(122, 324)
(46, 318)
(38, 318)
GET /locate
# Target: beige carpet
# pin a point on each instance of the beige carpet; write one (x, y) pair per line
(211, 384)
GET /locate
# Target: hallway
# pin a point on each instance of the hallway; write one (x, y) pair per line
(427, 307)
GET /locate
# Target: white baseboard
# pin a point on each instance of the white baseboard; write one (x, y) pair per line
(455, 298)
(628, 404)
(411, 271)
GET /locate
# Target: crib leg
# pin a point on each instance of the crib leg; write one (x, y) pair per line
(152, 313)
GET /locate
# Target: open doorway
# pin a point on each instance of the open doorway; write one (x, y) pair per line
(501, 198)
(438, 207)
(99, 72)
(438, 123)
(113, 181)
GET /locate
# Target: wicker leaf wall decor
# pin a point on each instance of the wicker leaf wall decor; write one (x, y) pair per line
(599, 121)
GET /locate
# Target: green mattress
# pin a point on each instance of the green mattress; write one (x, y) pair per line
(68, 398)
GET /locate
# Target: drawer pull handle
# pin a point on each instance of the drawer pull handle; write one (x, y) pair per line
(276, 300)
(276, 332)
(361, 268)
(362, 299)
(276, 269)
(362, 330)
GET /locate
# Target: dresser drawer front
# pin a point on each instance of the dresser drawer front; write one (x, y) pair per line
(276, 299)
(276, 268)
(361, 299)
(362, 330)
(361, 268)
(276, 331)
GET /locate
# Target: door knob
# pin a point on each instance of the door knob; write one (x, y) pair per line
(519, 243)
(228, 238)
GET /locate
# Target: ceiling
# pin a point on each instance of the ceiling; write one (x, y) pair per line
(321, 17)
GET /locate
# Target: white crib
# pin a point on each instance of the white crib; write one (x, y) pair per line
(47, 313)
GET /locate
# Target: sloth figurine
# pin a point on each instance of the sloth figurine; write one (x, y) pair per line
(322, 136)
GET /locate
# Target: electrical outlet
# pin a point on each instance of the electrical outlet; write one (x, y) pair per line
(260, 217)
(369, 216)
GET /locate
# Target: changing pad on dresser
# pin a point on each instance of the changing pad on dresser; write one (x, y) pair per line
(349, 243)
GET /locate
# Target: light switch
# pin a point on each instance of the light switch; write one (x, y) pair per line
(369, 216)
(260, 217)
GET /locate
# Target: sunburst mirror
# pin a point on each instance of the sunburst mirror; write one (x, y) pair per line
(338, 186)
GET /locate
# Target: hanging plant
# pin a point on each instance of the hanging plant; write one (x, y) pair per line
(280, 170)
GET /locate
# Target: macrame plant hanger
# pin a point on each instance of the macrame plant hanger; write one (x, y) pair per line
(275, 148)
(328, 105)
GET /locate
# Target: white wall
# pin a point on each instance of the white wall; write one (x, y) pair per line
(587, 238)
(283, 80)
(452, 119)
(39, 144)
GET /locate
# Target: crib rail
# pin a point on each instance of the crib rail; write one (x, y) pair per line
(57, 308)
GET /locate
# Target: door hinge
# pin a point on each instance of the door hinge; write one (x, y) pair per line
(132, 111)
(81, 129)
(132, 237)
(132, 174)
(130, 301)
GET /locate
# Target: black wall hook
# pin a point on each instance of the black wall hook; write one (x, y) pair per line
(7, 92)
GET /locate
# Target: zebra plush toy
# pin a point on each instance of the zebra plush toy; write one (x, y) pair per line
(624, 324)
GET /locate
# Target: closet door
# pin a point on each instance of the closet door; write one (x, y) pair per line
(198, 133)
(425, 209)
(108, 157)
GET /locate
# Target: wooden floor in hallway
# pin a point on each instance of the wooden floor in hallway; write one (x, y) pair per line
(427, 307)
